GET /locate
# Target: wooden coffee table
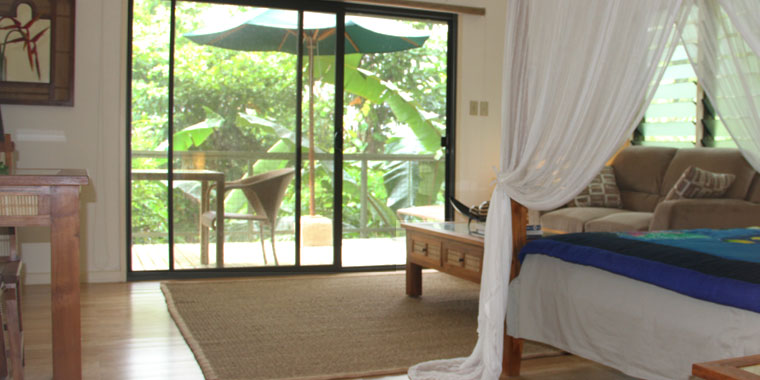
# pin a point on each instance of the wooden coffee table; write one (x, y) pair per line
(450, 248)
(445, 246)
(742, 368)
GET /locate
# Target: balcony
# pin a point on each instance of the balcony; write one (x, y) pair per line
(372, 236)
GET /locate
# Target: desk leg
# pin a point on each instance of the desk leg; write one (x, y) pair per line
(413, 279)
(220, 224)
(64, 258)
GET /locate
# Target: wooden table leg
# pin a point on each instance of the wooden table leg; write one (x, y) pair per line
(413, 279)
(220, 224)
(204, 229)
(64, 258)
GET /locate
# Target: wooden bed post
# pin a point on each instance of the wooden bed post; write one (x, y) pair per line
(510, 365)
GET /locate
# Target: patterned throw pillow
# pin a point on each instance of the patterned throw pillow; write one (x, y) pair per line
(698, 183)
(601, 192)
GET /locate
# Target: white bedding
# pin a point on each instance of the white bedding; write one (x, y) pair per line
(640, 329)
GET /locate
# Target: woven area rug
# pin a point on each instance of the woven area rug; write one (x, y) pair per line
(324, 327)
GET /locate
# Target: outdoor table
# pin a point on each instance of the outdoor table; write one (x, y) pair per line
(204, 176)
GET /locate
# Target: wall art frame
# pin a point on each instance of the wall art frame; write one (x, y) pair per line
(59, 89)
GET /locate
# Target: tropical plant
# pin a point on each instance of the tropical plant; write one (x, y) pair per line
(227, 101)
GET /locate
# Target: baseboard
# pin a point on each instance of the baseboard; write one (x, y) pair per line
(105, 276)
(37, 278)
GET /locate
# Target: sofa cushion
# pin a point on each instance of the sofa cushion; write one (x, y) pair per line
(698, 183)
(717, 160)
(705, 213)
(622, 221)
(639, 172)
(601, 192)
(573, 219)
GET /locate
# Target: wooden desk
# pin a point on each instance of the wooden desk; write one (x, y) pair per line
(204, 177)
(51, 198)
(743, 368)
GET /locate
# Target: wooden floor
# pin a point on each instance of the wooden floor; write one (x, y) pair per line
(127, 333)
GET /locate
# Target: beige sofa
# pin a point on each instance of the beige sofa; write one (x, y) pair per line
(645, 174)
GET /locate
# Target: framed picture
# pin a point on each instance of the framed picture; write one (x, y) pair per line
(37, 52)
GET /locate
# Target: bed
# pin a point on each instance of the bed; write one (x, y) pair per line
(648, 304)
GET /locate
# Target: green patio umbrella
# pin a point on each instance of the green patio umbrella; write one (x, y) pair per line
(277, 30)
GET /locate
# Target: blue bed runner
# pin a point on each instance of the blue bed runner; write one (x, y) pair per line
(721, 266)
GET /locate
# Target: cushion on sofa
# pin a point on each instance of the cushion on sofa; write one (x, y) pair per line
(574, 219)
(601, 192)
(705, 213)
(623, 221)
(699, 183)
(639, 172)
(716, 160)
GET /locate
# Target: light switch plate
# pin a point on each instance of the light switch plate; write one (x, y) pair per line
(473, 107)
(483, 108)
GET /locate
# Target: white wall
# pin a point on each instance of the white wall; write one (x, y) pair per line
(481, 47)
(91, 135)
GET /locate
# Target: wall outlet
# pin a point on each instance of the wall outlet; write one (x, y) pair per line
(483, 108)
(474, 107)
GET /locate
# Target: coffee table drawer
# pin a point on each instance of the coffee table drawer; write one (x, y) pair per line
(463, 260)
(424, 250)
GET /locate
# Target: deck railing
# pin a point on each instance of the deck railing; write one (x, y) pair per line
(200, 158)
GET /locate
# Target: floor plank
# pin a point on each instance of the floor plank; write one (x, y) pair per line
(127, 333)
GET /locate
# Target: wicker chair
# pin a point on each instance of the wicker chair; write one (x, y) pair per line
(264, 193)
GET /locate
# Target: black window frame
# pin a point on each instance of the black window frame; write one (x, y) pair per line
(340, 9)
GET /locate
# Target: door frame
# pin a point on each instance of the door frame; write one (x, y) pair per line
(340, 9)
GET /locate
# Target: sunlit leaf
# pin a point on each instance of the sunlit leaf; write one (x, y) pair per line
(195, 135)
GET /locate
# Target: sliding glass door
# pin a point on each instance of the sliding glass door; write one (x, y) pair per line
(244, 156)
(231, 126)
(394, 116)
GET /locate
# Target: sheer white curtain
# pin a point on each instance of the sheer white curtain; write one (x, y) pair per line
(577, 78)
(722, 39)
(745, 15)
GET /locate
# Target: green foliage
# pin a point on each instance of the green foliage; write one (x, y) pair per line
(194, 135)
(149, 213)
(373, 89)
(231, 105)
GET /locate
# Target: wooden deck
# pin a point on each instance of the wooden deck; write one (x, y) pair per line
(356, 252)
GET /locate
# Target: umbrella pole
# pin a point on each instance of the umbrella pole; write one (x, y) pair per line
(312, 212)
